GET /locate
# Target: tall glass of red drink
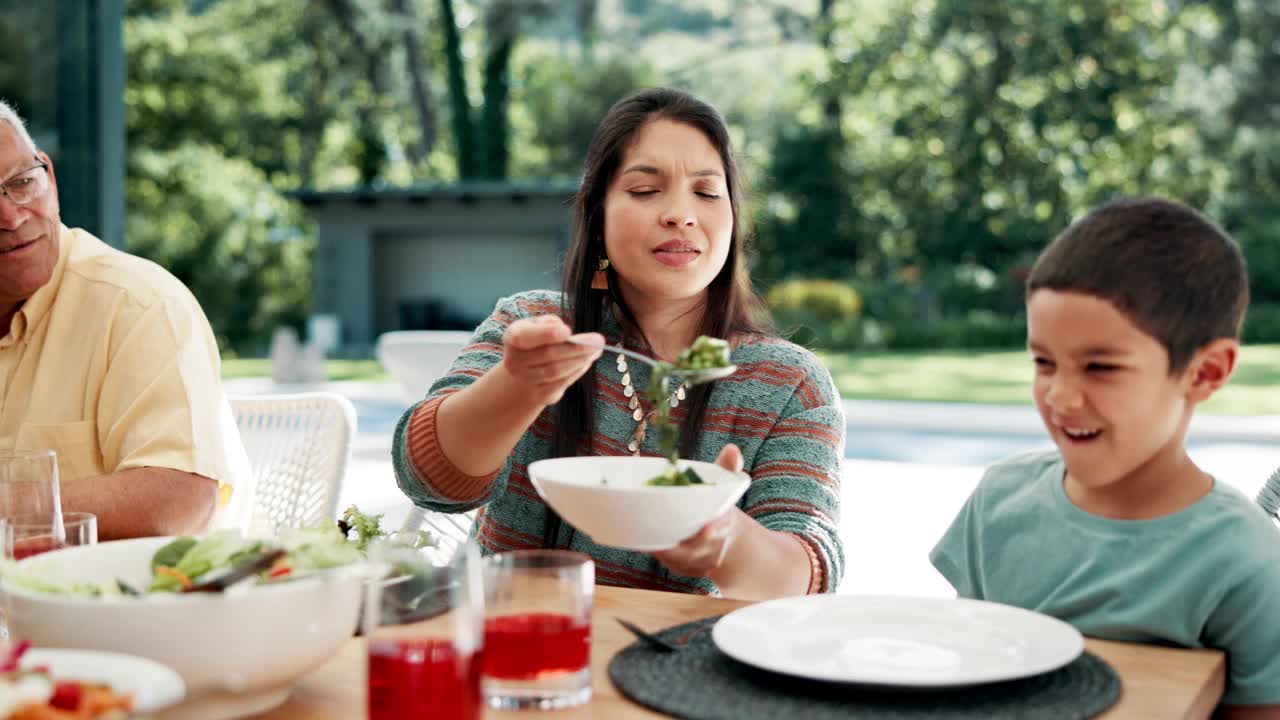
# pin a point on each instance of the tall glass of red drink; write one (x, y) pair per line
(537, 629)
(423, 628)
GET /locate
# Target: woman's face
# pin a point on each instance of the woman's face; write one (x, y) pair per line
(668, 221)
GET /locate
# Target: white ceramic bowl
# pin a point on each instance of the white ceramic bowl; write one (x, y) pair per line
(624, 512)
(239, 652)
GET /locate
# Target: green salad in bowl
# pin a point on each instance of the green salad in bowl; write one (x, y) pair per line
(209, 564)
(218, 561)
(240, 619)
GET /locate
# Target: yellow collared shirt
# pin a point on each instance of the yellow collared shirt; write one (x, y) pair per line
(113, 365)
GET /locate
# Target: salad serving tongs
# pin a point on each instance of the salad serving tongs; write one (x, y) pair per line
(243, 571)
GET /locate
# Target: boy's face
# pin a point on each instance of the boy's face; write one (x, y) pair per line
(1103, 389)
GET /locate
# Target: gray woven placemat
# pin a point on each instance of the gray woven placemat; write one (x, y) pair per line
(701, 683)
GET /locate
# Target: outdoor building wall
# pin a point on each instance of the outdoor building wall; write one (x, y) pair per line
(407, 261)
(468, 274)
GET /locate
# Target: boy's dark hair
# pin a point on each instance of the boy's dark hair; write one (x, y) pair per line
(1175, 274)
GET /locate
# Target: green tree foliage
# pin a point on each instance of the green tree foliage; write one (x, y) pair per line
(920, 151)
(220, 227)
(811, 223)
(484, 133)
(971, 133)
(202, 185)
(565, 102)
(459, 101)
(1243, 130)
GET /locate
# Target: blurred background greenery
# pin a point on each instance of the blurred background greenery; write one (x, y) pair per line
(908, 158)
(913, 155)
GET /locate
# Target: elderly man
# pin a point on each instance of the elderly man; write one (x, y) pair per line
(106, 359)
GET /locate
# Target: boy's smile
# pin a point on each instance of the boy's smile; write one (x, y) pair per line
(1105, 393)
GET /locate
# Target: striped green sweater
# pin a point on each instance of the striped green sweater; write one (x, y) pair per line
(780, 407)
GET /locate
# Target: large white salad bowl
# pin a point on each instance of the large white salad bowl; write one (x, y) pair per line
(238, 652)
(607, 498)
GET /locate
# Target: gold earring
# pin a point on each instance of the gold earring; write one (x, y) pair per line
(600, 279)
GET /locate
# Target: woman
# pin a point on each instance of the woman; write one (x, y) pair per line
(657, 259)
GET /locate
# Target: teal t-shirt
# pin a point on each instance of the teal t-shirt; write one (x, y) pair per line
(1206, 576)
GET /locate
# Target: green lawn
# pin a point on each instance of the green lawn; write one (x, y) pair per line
(969, 377)
(365, 370)
(1005, 377)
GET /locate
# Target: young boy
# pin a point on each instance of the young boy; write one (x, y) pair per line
(1133, 319)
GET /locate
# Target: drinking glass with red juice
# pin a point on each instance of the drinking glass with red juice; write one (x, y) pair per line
(537, 629)
(423, 629)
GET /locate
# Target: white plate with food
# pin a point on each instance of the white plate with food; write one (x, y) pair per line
(896, 641)
(66, 679)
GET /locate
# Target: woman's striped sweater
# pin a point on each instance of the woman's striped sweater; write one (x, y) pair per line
(781, 408)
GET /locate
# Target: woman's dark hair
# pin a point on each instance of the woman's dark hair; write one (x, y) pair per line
(733, 307)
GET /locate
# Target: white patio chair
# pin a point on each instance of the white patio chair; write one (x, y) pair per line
(298, 447)
(1269, 495)
(416, 358)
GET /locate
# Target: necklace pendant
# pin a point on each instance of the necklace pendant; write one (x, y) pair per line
(626, 379)
(633, 446)
(627, 391)
(680, 391)
(622, 363)
(635, 402)
(675, 401)
(637, 414)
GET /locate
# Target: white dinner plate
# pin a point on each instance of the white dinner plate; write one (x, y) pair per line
(900, 641)
(154, 686)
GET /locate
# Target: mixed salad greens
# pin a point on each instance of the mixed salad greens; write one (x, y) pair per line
(705, 353)
(219, 560)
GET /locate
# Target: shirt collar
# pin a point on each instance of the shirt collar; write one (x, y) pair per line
(34, 310)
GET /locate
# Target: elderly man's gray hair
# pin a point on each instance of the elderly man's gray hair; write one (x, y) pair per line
(9, 115)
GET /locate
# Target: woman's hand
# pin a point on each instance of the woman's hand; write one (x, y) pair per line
(705, 550)
(537, 357)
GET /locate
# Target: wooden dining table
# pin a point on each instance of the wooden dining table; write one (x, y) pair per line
(1158, 682)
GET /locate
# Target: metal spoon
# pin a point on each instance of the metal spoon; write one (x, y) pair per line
(689, 377)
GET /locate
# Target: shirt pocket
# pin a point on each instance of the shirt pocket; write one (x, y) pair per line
(76, 445)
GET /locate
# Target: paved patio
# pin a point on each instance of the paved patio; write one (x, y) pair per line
(910, 468)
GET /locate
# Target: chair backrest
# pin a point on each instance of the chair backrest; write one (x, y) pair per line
(1269, 495)
(416, 358)
(298, 447)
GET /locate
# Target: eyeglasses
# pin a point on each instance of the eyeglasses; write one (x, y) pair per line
(27, 186)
